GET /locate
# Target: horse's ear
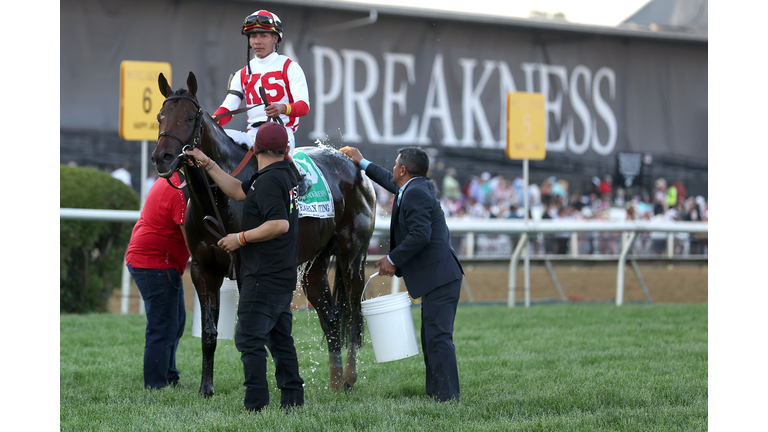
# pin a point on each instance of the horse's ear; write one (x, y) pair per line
(192, 84)
(165, 89)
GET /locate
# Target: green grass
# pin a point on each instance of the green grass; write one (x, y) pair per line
(559, 368)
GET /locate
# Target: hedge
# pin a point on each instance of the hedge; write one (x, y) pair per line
(92, 252)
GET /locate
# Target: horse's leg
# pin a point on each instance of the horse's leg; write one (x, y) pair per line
(352, 276)
(315, 284)
(207, 286)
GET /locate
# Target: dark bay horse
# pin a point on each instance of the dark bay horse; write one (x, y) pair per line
(183, 122)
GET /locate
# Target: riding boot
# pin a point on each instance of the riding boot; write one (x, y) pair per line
(304, 183)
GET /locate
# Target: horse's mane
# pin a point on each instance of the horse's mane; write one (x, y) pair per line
(234, 150)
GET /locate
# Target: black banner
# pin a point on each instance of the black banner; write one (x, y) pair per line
(404, 80)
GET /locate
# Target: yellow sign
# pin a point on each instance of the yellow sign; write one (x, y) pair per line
(526, 120)
(140, 98)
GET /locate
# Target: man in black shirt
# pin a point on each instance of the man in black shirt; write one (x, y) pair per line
(268, 261)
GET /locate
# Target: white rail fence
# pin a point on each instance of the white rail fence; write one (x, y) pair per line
(478, 226)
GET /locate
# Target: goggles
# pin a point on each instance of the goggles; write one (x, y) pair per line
(259, 20)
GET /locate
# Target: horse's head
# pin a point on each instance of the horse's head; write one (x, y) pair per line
(180, 121)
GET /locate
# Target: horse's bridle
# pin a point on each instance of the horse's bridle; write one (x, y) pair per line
(194, 139)
(213, 225)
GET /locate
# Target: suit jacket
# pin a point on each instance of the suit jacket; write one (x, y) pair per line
(419, 240)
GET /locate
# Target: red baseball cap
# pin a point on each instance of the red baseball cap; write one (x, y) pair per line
(272, 136)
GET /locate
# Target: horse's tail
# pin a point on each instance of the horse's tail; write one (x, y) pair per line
(341, 303)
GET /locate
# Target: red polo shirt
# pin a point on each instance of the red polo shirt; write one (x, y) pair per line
(156, 240)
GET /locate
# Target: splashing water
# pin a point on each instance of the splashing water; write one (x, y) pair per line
(301, 274)
(329, 147)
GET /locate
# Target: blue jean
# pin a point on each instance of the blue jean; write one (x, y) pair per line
(163, 296)
(265, 319)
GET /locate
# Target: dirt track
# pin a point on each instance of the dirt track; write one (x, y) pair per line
(674, 283)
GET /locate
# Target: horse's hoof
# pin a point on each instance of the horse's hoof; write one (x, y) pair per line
(206, 391)
(346, 388)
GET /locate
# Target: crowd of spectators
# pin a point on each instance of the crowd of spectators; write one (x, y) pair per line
(487, 196)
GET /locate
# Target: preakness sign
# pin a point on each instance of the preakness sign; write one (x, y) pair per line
(409, 80)
(376, 106)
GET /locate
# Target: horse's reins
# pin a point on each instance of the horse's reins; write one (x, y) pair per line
(250, 153)
(214, 225)
(237, 111)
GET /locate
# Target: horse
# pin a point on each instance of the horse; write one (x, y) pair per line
(346, 236)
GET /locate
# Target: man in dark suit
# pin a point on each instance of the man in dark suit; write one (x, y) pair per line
(421, 253)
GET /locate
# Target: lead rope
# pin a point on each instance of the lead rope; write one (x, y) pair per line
(215, 227)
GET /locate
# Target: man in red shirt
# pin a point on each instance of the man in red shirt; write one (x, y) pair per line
(157, 256)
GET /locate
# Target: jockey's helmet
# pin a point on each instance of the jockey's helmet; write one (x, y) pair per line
(263, 21)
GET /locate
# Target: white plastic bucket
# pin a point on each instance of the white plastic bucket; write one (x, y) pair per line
(227, 312)
(390, 325)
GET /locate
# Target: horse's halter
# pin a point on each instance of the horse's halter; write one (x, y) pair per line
(194, 139)
(198, 131)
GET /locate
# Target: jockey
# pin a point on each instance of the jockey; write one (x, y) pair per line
(282, 79)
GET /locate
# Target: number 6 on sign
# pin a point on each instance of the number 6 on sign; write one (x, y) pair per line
(139, 103)
(526, 137)
(147, 102)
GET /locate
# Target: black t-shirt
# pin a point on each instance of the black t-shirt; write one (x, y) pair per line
(270, 196)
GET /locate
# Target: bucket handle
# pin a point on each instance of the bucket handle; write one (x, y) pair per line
(362, 296)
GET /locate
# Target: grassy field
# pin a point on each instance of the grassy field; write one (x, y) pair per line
(557, 367)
